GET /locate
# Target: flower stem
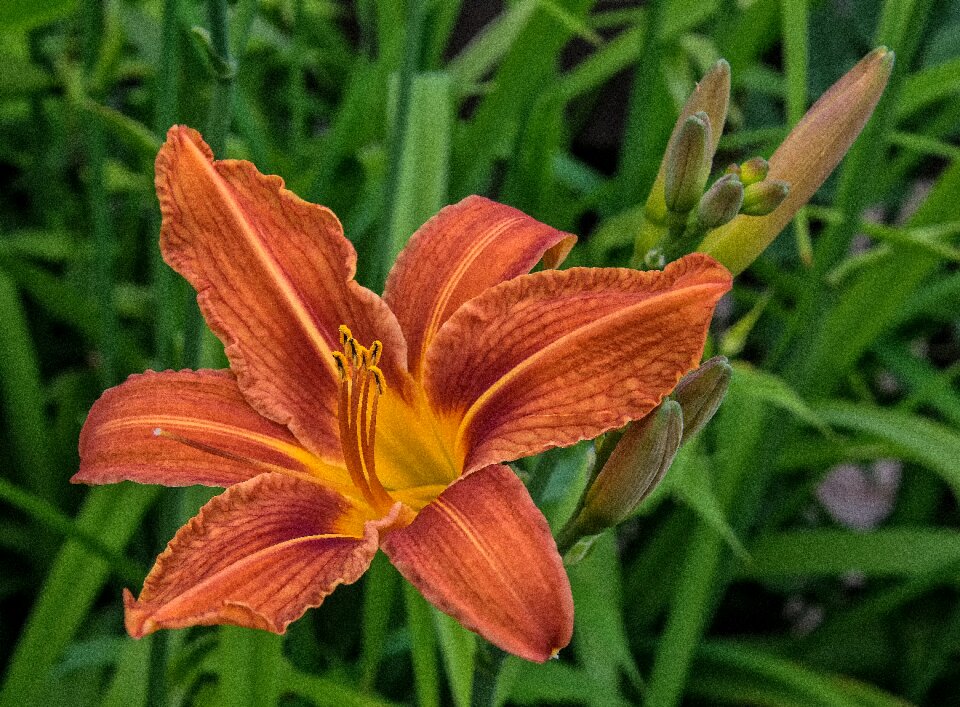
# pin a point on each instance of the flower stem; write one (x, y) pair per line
(218, 127)
(221, 104)
(411, 61)
(104, 244)
(165, 115)
(486, 673)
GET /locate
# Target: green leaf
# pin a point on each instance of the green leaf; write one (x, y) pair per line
(689, 481)
(897, 552)
(249, 667)
(918, 439)
(551, 683)
(49, 516)
(22, 395)
(458, 647)
(727, 670)
(380, 589)
(489, 46)
(425, 161)
(26, 14)
(74, 582)
(423, 647)
(324, 691)
(771, 389)
(602, 645)
(928, 86)
(129, 685)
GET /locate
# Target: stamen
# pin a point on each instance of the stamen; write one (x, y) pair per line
(379, 379)
(357, 413)
(353, 348)
(341, 362)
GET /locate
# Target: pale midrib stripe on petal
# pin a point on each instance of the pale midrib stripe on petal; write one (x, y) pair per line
(277, 273)
(456, 277)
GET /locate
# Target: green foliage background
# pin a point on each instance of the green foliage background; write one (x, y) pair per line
(385, 112)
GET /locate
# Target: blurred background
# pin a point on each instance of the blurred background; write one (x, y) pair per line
(805, 551)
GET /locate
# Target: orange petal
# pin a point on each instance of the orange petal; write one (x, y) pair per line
(275, 281)
(227, 440)
(459, 253)
(548, 359)
(483, 553)
(258, 555)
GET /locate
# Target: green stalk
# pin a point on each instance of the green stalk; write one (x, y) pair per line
(740, 425)
(50, 517)
(165, 115)
(221, 104)
(383, 255)
(164, 290)
(795, 17)
(486, 673)
(218, 127)
(296, 93)
(423, 648)
(637, 171)
(104, 247)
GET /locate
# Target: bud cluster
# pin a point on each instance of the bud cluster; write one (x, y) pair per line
(691, 209)
(737, 217)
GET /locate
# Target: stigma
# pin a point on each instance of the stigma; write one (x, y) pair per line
(362, 383)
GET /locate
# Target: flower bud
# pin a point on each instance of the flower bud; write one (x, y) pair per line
(721, 203)
(754, 170)
(634, 468)
(688, 164)
(806, 158)
(761, 198)
(700, 393)
(711, 96)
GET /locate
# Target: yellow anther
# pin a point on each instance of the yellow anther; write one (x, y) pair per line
(345, 334)
(341, 361)
(364, 354)
(379, 379)
(376, 349)
(353, 348)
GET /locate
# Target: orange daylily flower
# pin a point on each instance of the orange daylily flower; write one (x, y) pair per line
(349, 422)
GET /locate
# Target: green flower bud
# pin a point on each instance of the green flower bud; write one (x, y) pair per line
(761, 198)
(700, 393)
(688, 164)
(633, 470)
(721, 203)
(754, 170)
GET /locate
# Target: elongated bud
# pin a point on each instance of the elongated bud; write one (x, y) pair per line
(688, 164)
(754, 170)
(721, 203)
(806, 158)
(635, 467)
(762, 198)
(700, 393)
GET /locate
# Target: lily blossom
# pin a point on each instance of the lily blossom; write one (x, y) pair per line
(349, 422)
